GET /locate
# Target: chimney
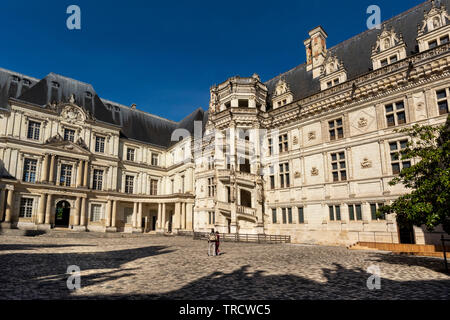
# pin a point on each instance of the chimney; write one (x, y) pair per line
(316, 50)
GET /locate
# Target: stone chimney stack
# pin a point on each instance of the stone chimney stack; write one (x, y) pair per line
(316, 50)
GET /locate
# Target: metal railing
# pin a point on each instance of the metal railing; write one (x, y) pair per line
(445, 252)
(249, 238)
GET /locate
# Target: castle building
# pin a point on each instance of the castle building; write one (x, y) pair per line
(308, 153)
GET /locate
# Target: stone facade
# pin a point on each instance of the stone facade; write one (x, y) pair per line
(269, 158)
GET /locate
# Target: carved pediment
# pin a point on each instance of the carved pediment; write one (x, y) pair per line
(331, 65)
(434, 19)
(58, 142)
(281, 87)
(387, 39)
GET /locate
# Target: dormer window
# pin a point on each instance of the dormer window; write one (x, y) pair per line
(55, 84)
(333, 72)
(69, 135)
(282, 94)
(130, 154)
(388, 49)
(435, 28)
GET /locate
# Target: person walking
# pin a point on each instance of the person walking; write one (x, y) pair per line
(217, 243)
(212, 239)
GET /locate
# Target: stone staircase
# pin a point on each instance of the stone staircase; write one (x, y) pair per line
(399, 248)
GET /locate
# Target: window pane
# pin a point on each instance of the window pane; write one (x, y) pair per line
(343, 175)
(335, 176)
(274, 215)
(406, 164)
(401, 117)
(390, 120)
(358, 212)
(389, 108)
(331, 124)
(443, 107)
(373, 211)
(334, 156)
(395, 168)
(330, 208)
(393, 146)
(335, 166)
(441, 94)
(403, 144)
(351, 212)
(340, 133)
(338, 212)
(301, 217)
(400, 105)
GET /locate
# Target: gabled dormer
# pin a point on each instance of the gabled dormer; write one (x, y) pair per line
(435, 28)
(282, 94)
(332, 72)
(389, 48)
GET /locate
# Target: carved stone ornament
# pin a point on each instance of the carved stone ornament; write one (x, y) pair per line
(72, 114)
(297, 174)
(362, 122)
(295, 140)
(72, 98)
(282, 87)
(366, 163)
(314, 171)
(56, 138)
(311, 135)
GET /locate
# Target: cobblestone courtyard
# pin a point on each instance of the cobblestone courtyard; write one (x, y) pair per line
(156, 267)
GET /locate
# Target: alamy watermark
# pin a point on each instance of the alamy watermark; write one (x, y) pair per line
(74, 280)
(374, 20)
(73, 22)
(374, 281)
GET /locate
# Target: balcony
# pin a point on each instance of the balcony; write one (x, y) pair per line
(224, 175)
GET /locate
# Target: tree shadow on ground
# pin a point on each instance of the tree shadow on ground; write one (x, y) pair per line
(432, 263)
(339, 283)
(25, 246)
(44, 275)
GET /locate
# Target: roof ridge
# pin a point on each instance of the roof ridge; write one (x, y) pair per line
(401, 14)
(68, 78)
(137, 110)
(19, 73)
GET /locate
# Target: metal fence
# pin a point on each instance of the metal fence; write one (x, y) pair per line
(250, 238)
(445, 252)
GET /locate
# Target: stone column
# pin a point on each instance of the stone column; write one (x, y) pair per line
(9, 206)
(189, 213)
(139, 217)
(83, 212)
(108, 213)
(48, 209)
(52, 169)
(158, 221)
(86, 169)
(80, 174)
(41, 210)
(177, 217)
(114, 214)
(76, 218)
(45, 169)
(163, 218)
(2, 203)
(183, 216)
(133, 219)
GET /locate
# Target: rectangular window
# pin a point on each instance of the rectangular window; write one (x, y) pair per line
(393, 59)
(289, 210)
(96, 212)
(384, 62)
(26, 208)
(66, 175)
(283, 214)
(69, 135)
(283, 143)
(153, 187)
(97, 180)
(395, 150)
(444, 39)
(29, 170)
(335, 213)
(34, 129)
(155, 159)
(336, 129)
(211, 187)
(443, 100)
(272, 177)
(374, 207)
(301, 215)
(274, 215)
(129, 183)
(100, 144)
(270, 144)
(212, 217)
(338, 166)
(130, 154)
(336, 81)
(432, 44)
(395, 114)
(284, 175)
(354, 212)
(329, 84)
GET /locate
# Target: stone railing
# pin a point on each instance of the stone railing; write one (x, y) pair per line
(246, 210)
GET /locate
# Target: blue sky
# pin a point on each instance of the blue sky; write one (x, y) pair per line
(165, 55)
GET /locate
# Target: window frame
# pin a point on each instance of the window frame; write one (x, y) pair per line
(34, 130)
(445, 100)
(26, 207)
(339, 169)
(31, 173)
(100, 144)
(97, 179)
(336, 130)
(394, 155)
(395, 113)
(129, 184)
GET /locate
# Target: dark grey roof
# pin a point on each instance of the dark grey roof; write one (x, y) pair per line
(135, 124)
(355, 53)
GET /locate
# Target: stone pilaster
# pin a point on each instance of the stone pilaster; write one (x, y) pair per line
(183, 216)
(2, 203)
(9, 209)
(48, 209)
(80, 174)
(45, 169)
(41, 210)
(86, 174)
(52, 169)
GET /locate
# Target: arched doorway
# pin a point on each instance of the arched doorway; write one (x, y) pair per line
(62, 214)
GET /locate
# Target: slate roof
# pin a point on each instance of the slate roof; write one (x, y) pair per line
(355, 53)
